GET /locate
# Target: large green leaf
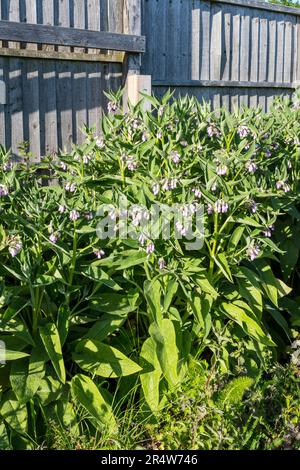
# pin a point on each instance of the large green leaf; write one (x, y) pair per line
(150, 378)
(90, 397)
(152, 292)
(104, 360)
(13, 412)
(115, 303)
(51, 340)
(164, 338)
(26, 375)
(104, 327)
(240, 314)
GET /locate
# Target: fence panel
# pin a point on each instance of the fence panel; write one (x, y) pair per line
(230, 52)
(51, 94)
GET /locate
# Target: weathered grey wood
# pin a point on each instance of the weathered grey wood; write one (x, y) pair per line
(48, 19)
(272, 48)
(93, 14)
(31, 113)
(280, 51)
(49, 121)
(288, 47)
(30, 17)
(13, 15)
(216, 43)
(113, 57)
(79, 100)
(15, 104)
(245, 46)
(205, 41)
(263, 50)
(196, 51)
(132, 25)
(248, 46)
(259, 5)
(79, 19)
(254, 60)
(55, 35)
(236, 35)
(64, 105)
(222, 83)
(94, 73)
(227, 51)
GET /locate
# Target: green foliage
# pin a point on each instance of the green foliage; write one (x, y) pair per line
(94, 326)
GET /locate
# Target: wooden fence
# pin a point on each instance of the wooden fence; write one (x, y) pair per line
(230, 52)
(56, 59)
(58, 56)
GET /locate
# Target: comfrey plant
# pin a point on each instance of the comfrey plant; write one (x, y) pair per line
(99, 297)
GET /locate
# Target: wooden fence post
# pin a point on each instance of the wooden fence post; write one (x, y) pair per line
(133, 80)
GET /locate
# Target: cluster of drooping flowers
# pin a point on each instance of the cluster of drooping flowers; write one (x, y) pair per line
(3, 190)
(251, 166)
(197, 193)
(175, 157)
(130, 162)
(268, 232)
(181, 228)
(150, 248)
(54, 237)
(70, 187)
(243, 131)
(169, 184)
(213, 131)
(74, 215)
(86, 159)
(283, 185)
(63, 166)
(221, 206)
(61, 209)
(14, 245)
(145, 136)
(156, 189)
(99, 254)
(99, 142)
(7, 166)
(252, 206)
(162, 264)
(253, 251)
(222, 170)
(112, 107)
(139, 215)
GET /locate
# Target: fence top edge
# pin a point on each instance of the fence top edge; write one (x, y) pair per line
(261, 6)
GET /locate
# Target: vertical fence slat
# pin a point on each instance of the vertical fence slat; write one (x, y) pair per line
(280, 49)
(49, 107)
(196, 52)
(216, 43)
(263, 50)
(288, 45)
(79, 19)
(15, 104)
(226, 53)
(272, 49)
(236, 38)
(205, 40)
(245, 46)
(31, 105)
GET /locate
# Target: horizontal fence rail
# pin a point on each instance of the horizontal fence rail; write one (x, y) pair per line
(60, 36)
